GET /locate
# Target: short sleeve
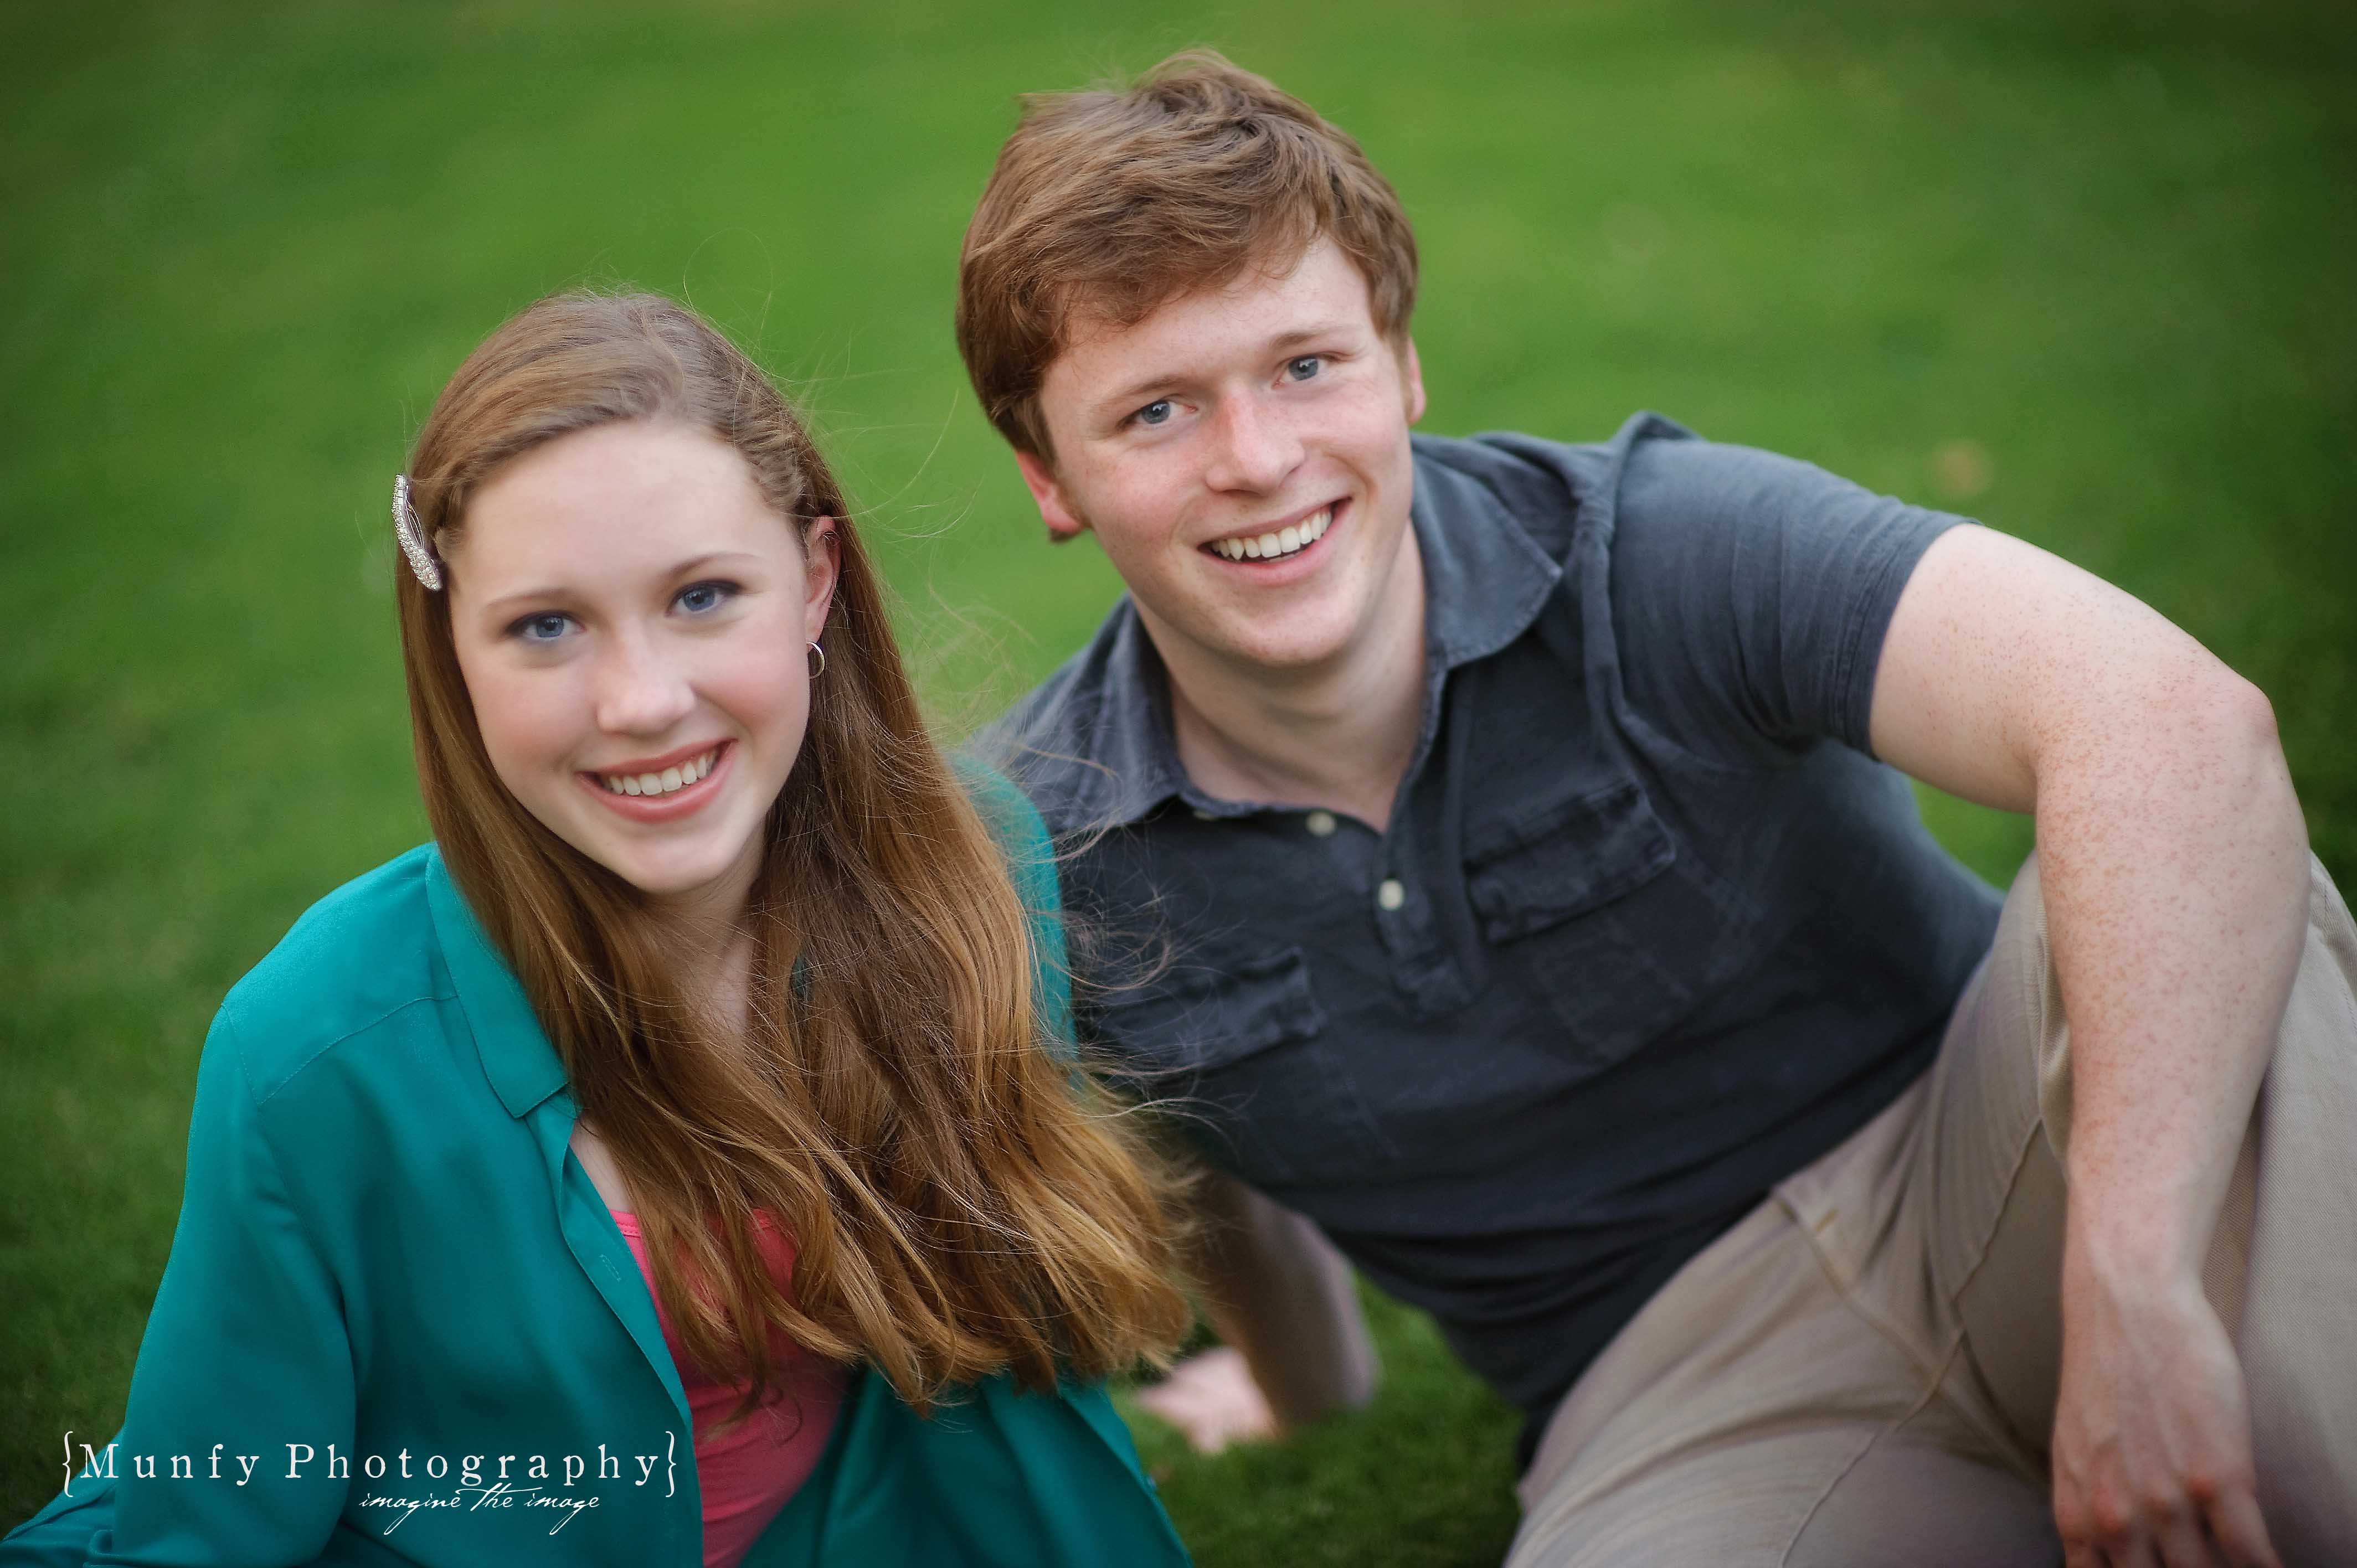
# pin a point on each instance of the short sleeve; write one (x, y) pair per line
(245, 1353)
(1751, 593)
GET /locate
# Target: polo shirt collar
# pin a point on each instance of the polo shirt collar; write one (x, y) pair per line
(520, 1064)
(1485, 579)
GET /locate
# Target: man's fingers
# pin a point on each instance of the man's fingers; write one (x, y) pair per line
(2240, 1533)
(2182, 1542)
(1212, 1399)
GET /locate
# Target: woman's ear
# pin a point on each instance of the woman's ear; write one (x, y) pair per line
(821, 566)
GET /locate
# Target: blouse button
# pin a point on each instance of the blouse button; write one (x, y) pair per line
(1390, 895)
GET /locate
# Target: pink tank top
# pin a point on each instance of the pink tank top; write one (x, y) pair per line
(748, 1473)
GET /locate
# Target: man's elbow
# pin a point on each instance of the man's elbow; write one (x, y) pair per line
(2237, 725)
(2244, 715)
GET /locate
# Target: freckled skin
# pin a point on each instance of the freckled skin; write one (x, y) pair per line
(2173, 860)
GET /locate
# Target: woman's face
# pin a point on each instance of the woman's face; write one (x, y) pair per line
(633, 622)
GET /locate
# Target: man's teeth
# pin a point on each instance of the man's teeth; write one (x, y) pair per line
(1286, 540)
(662, 783)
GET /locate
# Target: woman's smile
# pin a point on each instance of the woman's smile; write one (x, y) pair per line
(663, 789)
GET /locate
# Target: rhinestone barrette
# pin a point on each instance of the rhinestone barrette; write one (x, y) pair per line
(413, 537)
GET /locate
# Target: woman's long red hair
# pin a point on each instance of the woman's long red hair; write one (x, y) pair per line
(962, 1200)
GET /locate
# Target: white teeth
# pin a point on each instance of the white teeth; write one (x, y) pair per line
(662, 783)
(1286, 540)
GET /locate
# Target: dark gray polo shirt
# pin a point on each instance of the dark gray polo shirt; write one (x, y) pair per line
(1647, 931)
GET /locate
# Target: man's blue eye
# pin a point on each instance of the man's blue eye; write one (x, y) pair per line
(1155, 412)
(1302, 368)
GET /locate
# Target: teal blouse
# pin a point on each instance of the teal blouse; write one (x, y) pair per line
(399, 1324)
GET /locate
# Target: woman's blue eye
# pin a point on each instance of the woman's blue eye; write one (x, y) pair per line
(541, 627)
(1302, 368)
(700, 598)
(1155, 412)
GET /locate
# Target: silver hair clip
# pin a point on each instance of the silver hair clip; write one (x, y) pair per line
(413, 537)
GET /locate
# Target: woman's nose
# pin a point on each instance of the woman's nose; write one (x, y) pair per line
(641, 690)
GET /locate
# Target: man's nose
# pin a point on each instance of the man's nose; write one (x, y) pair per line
(1255, 447)
(642, 688)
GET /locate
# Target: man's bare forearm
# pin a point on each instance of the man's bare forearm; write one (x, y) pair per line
(1278, 1291)
(2170, 847)
(2174, 863)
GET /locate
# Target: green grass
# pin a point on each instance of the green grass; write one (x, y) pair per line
(2080, 270)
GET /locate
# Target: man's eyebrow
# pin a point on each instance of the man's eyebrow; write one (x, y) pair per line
(687, 568)
(1137, 392)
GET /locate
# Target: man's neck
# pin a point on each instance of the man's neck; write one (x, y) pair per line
(1338, 735)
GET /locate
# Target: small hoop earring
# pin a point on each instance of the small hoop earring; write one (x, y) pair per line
(820, 669)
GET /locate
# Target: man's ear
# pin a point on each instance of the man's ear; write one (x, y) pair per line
(1412, 374)
(1064, 524)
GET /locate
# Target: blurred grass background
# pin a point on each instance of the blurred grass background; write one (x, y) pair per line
(2080, 268)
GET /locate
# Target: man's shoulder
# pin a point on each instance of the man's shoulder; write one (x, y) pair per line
(1654, 478)
(1554, 489)
(1076, 745)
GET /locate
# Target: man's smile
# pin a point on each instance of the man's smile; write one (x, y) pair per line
(1277, 542)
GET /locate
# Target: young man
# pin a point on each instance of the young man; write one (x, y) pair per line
(1483, 845)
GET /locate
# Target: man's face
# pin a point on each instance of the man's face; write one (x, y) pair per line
(1242, 454)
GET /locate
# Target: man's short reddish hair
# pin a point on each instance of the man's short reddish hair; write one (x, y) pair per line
(1107, 204)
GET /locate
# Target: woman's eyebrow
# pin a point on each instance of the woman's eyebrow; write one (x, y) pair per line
(687, 568)
(694, 564)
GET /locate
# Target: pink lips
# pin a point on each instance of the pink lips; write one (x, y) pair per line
(682, 803)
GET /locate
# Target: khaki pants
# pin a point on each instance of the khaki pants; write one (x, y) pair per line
(1863, 1371)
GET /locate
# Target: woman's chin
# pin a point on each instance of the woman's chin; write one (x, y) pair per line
(683, 875)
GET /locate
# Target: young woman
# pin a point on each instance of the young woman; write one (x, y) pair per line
(680, 1160)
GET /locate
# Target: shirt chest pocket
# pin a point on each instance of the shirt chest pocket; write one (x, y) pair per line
(1589, 904)
(1239, 1057)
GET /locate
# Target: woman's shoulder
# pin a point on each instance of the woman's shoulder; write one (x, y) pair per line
(1016, 826)
(364, 956)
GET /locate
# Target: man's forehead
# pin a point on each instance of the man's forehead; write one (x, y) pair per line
(1265, 304)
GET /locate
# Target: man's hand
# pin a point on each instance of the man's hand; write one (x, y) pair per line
(1212, 1400)
(2152, 1431)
